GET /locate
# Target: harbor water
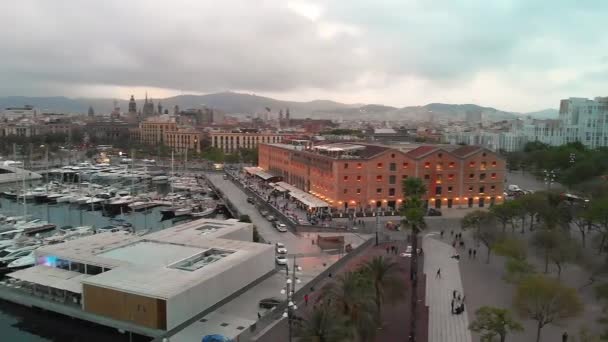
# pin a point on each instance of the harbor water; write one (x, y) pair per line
(22, 324)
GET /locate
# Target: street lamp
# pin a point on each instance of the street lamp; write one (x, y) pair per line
(289, 290)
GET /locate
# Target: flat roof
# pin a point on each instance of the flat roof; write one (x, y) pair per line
(157, 264)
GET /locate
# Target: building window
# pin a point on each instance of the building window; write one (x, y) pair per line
(392, 155)
(358, 191)
(406, 165)
(483, 165)
(427, 165)
(392, 179)
(358, 165)
(346, 165)
(404, 177)
(472, 164)
(483, 154)
(451, 176)
(437, 190)
(345, 178)
(439, 155)
(379, 165)
(481, 189)
(482, 176)
(439, 166)
(391, 192)
(494, 163)
(451, 164)
(393, 167)
(358, 178)
(379, 190)
(345, 191)
(427, 177)
(438, 179)
(471, 175)
(493, 187)
(449, 189)
(379, 178)
(493, 175)
(470, 188)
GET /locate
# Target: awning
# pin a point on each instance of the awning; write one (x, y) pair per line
(264, 175)
(305, 198)
(53, 277)
(252, 170)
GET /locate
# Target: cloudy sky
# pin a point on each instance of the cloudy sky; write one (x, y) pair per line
(519, 55)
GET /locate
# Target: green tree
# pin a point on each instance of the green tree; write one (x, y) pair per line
(598, 212)
(517, 269)
(491, 322)
(504, 213)
(546, 301)
(413, 212)
(546, 241)
(323, 325)
(386, 277)
(474, 219)
(352, 295)
(583, 220)
(512, 248)
(601, 293)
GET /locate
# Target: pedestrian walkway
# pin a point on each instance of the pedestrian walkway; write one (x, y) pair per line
(443, 325)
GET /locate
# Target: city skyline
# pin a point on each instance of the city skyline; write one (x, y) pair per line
(513, 55)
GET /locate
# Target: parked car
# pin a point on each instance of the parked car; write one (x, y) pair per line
(250, 200)
(281, 227)
(225, 176)
(281, 260)
(264, 213)
(271, 218)
(433, 212)
(269, 303)
(280, 248)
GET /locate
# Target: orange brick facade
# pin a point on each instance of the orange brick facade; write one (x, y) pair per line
(464, 177)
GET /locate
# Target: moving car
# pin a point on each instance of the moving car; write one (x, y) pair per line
(264, 213)
(271, 218)
(281, 227)
(407, 253)
(280, 248)
(269, 303)
(281, 260)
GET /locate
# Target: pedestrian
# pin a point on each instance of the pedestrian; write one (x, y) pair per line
(260, 316)
(458, 297)
(452, 307)
(438, 275)
(474, 254)
(441, 234)
(565, 337)
(306, 299)
(386, 249)
(452, 232)
(396, 250)
(454, 243)
(453, 295)
(470, 253)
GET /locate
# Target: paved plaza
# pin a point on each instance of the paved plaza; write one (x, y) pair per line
(443, 325)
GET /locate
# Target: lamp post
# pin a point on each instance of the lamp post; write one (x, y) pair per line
(549, 178)
(289, 290)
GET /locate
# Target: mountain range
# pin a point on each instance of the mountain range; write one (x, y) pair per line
(249, 104)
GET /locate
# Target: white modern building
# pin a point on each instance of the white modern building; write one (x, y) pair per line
(495, 141)
(11, 113)
(156, 281)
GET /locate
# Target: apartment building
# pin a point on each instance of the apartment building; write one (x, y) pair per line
(183, 139)
(232, 141)
(152, 131)
(352, 176)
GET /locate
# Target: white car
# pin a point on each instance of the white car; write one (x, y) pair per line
(281, 227)
(407, 253)
(280, 248)
(281, 260)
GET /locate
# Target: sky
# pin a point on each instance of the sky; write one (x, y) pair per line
(518, 55)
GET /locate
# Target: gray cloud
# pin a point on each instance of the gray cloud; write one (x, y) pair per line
(50, 47)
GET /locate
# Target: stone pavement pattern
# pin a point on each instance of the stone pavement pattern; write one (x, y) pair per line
(443, 326)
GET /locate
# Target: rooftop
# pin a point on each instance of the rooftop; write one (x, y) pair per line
(182, 256)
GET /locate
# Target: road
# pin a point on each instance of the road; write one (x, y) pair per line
(295, 244)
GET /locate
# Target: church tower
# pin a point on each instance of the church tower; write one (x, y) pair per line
(132, 106)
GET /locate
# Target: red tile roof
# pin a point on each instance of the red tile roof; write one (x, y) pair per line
(421, 151)
(465, 151)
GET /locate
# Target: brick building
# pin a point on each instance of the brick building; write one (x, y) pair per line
(364, 177)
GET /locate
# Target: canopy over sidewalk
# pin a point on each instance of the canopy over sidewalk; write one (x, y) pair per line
(305, 198)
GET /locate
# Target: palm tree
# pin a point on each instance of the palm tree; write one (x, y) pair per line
(323, 325)
(352, 296)
(386, 278)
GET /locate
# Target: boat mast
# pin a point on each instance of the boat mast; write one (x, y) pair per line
(23, 184)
